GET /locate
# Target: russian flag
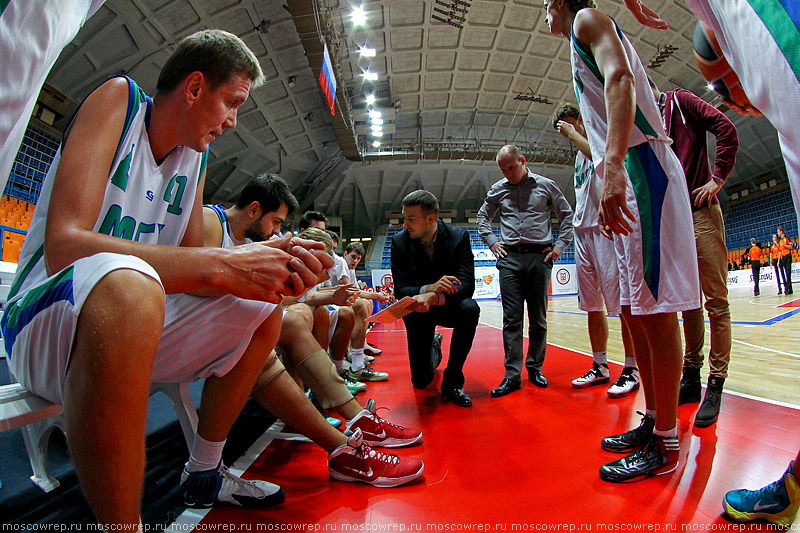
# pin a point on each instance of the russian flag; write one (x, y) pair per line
(327, 80)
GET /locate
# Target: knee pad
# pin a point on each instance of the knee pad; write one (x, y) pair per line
(318, 372)
(272, 368)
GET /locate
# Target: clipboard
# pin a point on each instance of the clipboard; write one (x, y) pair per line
(394, 312)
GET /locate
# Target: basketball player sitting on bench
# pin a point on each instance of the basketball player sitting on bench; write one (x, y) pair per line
(262, 206)
(100, 307)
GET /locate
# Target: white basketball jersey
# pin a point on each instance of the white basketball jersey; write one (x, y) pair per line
(590, 90)
(587, 193)
(143, 201)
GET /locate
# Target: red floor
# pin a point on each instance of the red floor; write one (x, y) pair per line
(529, 458)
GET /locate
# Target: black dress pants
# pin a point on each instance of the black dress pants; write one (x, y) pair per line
(786, 269)
(463, 318)
(524, 279)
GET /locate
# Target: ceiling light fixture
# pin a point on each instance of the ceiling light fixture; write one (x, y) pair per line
(263, 27)
(292, 81)
(454, 12)
(376, 143)
(662, 53)
(370, 76)
(367, 52)
(370, 99)
(530, 96)
(358, 15)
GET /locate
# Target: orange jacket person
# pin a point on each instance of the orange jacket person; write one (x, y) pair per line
(755, 263)
(786, 261)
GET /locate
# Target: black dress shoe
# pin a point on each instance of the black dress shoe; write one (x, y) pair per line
(505, 387)
(537, 378)
(457, 396)
(436, 350)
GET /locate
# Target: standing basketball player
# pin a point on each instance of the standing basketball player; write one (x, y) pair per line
(644, 202)
(759, 39)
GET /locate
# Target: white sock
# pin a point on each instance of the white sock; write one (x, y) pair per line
(205, 455)
(339, 364)
(630, 362)
(669, 434)
(601, 358)
(356, 359)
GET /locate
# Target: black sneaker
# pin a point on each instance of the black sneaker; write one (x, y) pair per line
(631, 440)
(660, 456)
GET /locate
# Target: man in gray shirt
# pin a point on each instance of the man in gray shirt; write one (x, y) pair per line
(525, 256)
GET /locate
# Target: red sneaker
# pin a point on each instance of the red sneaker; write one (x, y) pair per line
(357, 462)
(379, 432)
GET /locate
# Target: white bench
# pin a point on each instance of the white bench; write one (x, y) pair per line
(38, 418)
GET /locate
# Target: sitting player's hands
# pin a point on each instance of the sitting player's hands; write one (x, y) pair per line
(307, 261)
(345, 295)
(445, 284)
(645, 15)
(424, 302)
(382, 297)
(257, 271)
(613, 205)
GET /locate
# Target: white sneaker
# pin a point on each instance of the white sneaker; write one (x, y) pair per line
(597, 375)
(367, 374)
(354, 386)
(369, 349)
(218, 486)
(627, 383)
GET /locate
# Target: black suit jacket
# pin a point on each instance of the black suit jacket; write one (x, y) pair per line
(452, 255)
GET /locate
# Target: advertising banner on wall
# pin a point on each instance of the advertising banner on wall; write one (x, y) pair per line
(487, 281)
(744, 278)
(563, 280)
(381, 277)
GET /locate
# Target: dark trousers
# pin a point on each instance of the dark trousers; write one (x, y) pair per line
(524, 278)
(776, 267)
(786, 269)
(756, 276)
(463, 318)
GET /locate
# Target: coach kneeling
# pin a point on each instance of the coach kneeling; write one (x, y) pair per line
(433, 263)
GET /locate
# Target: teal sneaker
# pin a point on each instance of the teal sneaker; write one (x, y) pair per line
(776, 503)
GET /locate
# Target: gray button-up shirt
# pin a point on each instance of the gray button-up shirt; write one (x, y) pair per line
(525, 212)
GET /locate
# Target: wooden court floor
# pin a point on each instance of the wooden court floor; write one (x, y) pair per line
(529, 461)
(765, 332)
